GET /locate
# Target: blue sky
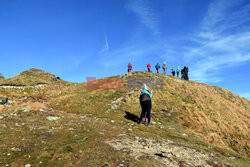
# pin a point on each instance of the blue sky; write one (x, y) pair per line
(75, 39)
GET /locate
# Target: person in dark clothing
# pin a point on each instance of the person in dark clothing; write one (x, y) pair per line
(185, 70)
(146, 105)
(182, 73)
(178, 71)
(173, 72)
(157, 67)
(187, 78)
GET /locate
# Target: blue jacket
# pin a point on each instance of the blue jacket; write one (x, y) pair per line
(157, 66)
(145, 91)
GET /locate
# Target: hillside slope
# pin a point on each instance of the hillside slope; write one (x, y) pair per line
(30, 77)
(97, 124)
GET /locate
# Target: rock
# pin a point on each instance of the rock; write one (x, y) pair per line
(52, 118)
(1, 76)
(3, 100)
(232, 157)
(1, 117)
(113, 107)
(112, 121)
(9, 103)
(42, 110)
(15, 149)
(27, 165)
(26, 109)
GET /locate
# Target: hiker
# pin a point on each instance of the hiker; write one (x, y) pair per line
(182, 73)
(145, 101)
(186, 74)
(164, 67)
(157, 67)
(173, 72)
(148, 66)
(178, 71)
(129, 67)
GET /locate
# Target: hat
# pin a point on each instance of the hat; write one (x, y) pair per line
(145, 87)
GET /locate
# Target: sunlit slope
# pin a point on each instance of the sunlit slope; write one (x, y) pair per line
(30, 77)
(209, 113)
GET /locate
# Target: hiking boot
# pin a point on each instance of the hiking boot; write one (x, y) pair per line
(149, 125)
(140, 122)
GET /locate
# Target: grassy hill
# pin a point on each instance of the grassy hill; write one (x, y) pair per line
(30, 77)
(97, 124)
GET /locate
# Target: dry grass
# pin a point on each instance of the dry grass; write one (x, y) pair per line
(214, 119)
(31, 77)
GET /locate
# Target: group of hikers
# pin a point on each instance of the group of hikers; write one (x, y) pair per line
(145, 96)
(184, 70)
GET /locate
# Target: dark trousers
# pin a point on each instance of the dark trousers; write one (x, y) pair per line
(177, 74)
(146, 109)
(148, 69)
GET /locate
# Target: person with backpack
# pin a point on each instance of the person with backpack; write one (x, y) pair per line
(157, 67)
(173, 72)
(146, 105)
(178, 71)
(182, 73)
(148, 66)
(186, 74)
(164, 67)
(129, 67)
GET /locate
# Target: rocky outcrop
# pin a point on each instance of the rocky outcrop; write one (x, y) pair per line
(166, 152)
(1, 76)
(3, 100)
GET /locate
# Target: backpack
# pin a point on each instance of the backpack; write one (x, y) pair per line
(144, 97)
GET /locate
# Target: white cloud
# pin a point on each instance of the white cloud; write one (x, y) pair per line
(223, 40)
(145, 14)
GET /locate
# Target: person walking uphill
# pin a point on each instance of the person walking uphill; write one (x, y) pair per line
(146, 105)
(129, 67)
(157, 67)
(148, 66)
(178, 71)
(164, 67)
(173, 72)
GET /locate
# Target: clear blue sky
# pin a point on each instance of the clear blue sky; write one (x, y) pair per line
(75, 39)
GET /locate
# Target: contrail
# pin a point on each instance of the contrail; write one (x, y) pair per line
(106, 41)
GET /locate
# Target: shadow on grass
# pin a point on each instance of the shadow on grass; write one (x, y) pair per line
(131, 117)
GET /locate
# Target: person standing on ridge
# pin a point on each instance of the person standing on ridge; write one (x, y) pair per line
(146, 105)
(178, 71)
(148, 66)
(129, 67)
(182, 73)
(157, 66)
(173, 72)
(164, 67)
(186, 74)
